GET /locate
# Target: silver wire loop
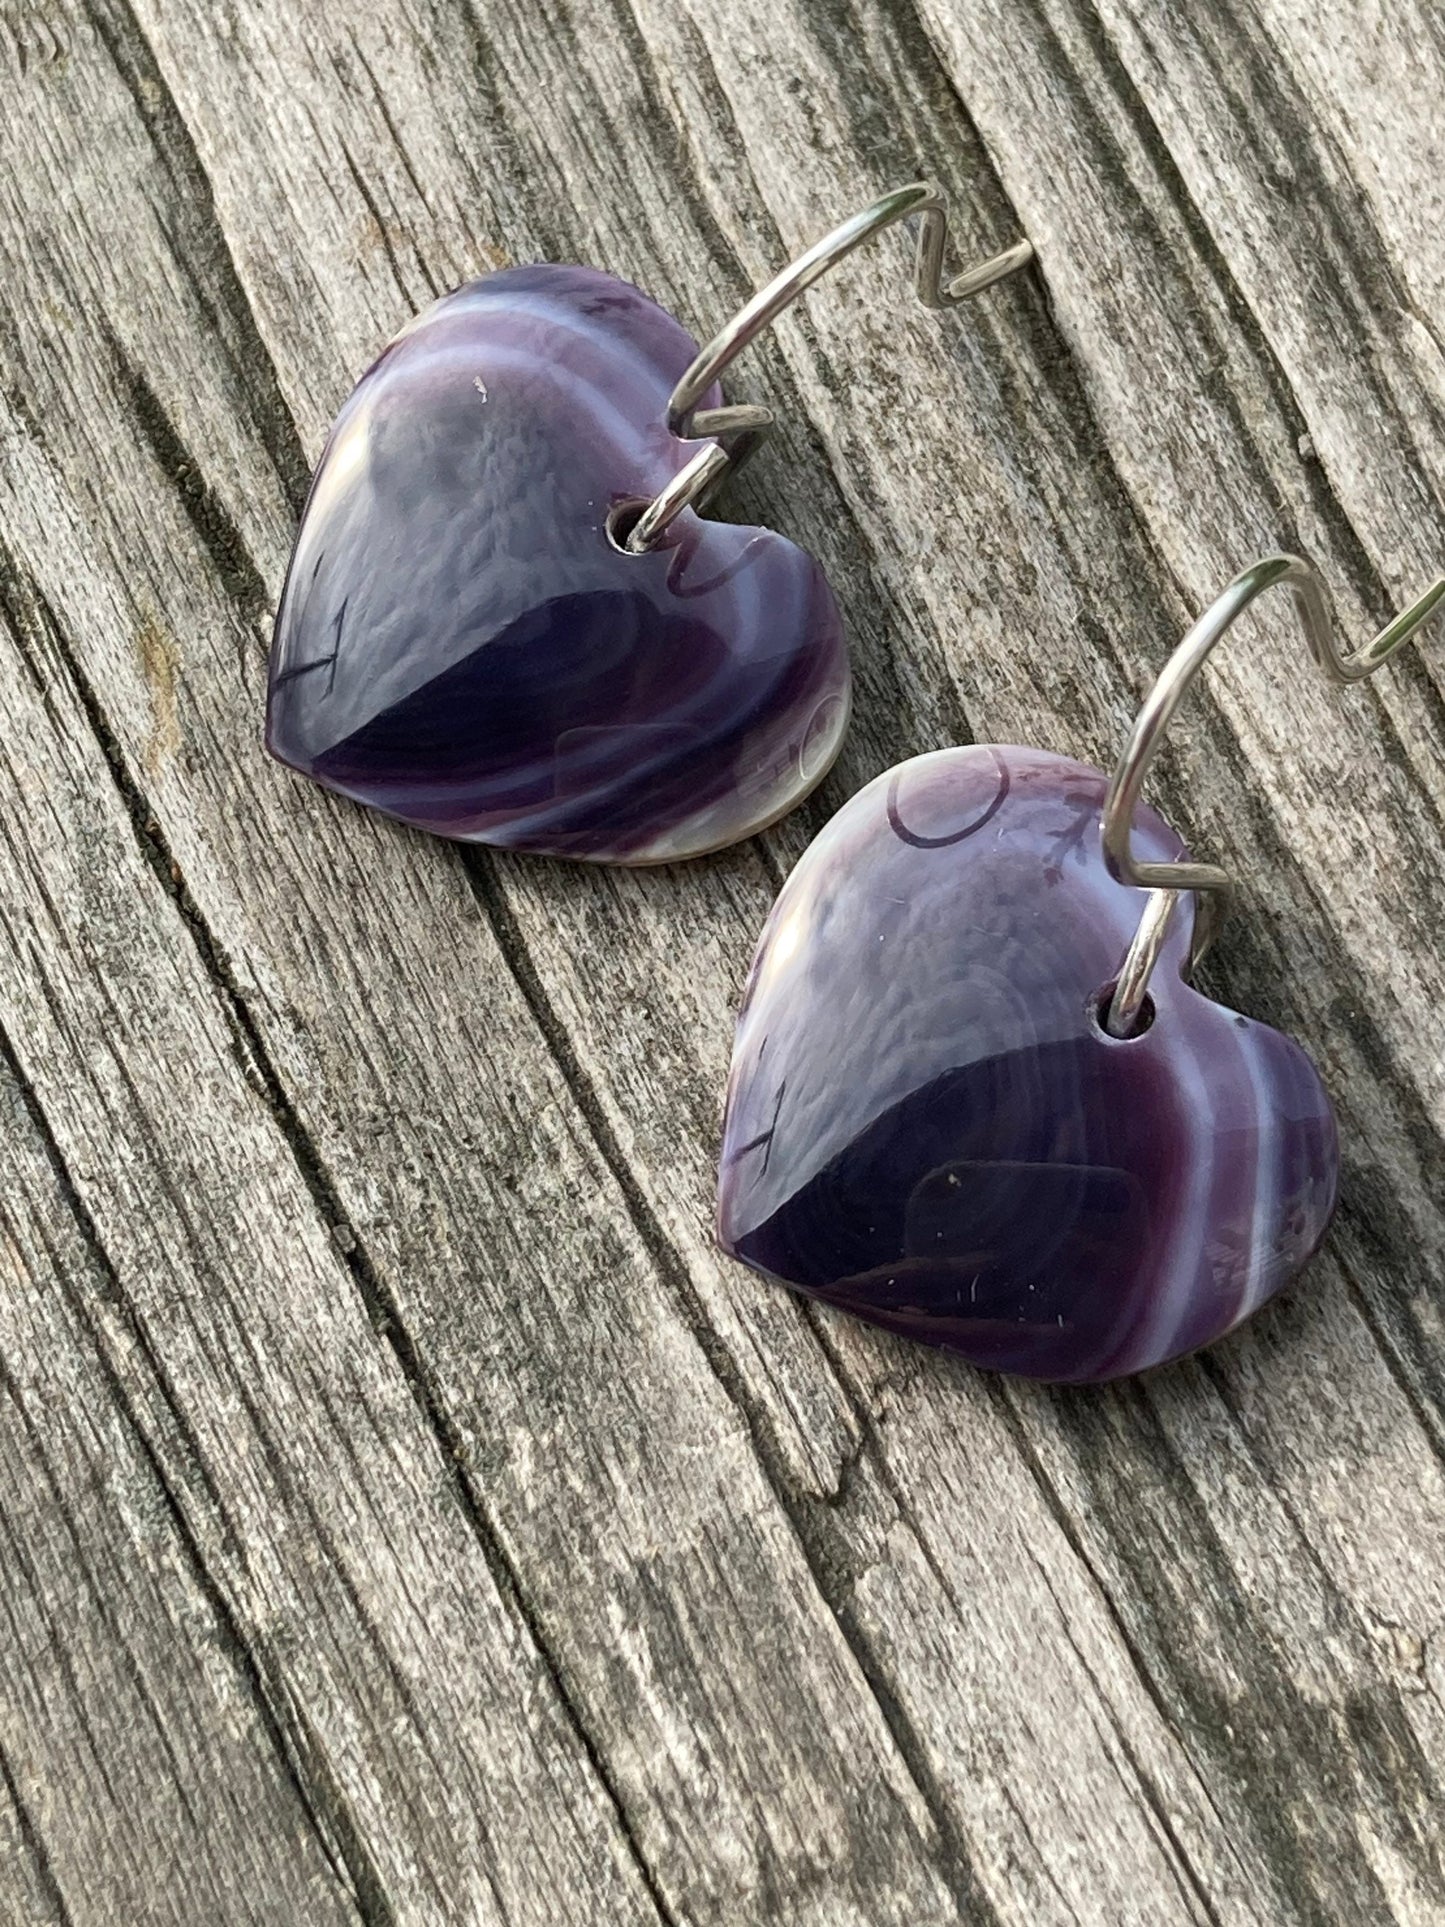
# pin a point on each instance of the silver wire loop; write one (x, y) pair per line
(1165, 881)
(741, 429)
(1131, 992)
(687, 488)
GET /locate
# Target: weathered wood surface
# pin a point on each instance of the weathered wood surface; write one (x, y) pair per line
(405, 1516)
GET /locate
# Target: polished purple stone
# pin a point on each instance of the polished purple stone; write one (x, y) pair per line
(927, 1126)
(460, 643)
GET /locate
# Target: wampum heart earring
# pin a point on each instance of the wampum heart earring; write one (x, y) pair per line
(974, 1098)
(505, 620)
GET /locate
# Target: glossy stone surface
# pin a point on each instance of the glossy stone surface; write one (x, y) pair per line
(926, 1125)
(460, 644)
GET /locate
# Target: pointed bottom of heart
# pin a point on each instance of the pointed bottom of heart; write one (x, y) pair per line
(928, 1127)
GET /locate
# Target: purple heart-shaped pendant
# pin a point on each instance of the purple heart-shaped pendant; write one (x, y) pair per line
(504, 620)
(462, 643)
(928, 1125)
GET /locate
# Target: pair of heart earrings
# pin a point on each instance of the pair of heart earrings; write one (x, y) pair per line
(974, 1097)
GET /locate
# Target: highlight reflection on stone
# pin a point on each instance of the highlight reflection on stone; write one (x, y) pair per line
(461, 645)
(927, 1126)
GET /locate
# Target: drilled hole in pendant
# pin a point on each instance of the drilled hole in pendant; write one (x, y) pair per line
(622, 519)
(1099, 1010)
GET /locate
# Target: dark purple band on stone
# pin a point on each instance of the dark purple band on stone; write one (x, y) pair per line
(927, 1126)
(460, 644)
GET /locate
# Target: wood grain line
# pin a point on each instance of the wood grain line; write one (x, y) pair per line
(48, 1885)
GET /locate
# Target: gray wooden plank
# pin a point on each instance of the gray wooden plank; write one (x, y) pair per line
(599, 1003)
(640, 1051)
(1153, 1654)
(432, 1742)
(144, 1765)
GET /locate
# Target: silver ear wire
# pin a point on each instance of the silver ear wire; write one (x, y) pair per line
(1166, 881)
(737, 432)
